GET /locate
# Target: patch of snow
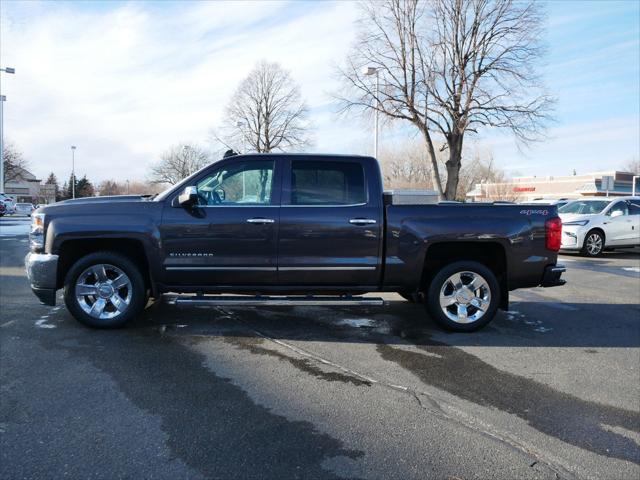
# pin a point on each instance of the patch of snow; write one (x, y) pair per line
(356, 322)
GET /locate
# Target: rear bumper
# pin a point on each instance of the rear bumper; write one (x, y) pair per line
(42, 270)
(552, 274)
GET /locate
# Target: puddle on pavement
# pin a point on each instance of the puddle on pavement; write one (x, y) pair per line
(254, 345)
(560, 415)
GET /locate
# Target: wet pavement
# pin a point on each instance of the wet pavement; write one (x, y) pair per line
(550, 389)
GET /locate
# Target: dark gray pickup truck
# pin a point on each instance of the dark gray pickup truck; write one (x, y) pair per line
(288, 229)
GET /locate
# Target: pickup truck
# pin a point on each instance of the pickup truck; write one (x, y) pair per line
(288, 229)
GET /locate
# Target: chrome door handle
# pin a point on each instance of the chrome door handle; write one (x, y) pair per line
(362, 221)
(260, 220)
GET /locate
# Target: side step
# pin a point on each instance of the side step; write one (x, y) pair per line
(270, 300)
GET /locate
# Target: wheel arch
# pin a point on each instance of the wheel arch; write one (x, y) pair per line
(70, 251)
(490, 254)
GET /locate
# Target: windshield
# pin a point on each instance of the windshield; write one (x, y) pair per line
(584, 207)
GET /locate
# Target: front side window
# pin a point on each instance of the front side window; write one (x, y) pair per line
(242, 183)
(618, 207)
(327, 183)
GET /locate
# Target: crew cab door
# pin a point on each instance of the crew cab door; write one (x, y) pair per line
(619, 225)
(230, 237)
(330, 223)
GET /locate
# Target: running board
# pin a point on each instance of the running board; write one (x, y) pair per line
(270, 300)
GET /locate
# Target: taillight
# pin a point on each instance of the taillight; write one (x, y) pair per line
(553, 233)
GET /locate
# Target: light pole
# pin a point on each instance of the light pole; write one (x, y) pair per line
(73, 171)
(240, 125)
(375, 71)
(2, 100)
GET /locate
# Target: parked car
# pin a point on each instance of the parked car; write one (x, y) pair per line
(317, 231)
(591, 225)
(24, 209)
(3, 209)
(8, 203)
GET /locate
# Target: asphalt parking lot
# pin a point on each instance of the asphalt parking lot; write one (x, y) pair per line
(550, 389)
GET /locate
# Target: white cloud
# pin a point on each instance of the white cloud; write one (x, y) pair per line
(124, 83)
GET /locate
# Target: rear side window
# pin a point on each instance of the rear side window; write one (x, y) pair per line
(327, 183)
(634, 207)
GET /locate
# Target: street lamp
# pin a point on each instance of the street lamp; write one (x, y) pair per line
(73, 171)
(240, 125)
(374, 71)
(2, 100)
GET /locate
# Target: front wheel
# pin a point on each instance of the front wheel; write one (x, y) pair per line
(463, 296)
(104, 290)
(593, 244)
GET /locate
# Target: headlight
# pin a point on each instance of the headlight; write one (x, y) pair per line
(582, 223)
(36, 235)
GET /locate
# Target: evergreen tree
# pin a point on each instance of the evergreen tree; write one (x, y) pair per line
(84, 188)
(52, 180)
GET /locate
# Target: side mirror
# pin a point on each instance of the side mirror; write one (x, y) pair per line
(616, 213)
(188, 197)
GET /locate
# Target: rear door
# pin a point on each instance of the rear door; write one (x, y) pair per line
(330, 223)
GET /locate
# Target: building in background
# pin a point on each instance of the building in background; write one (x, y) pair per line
(26, 188)
(524, 189)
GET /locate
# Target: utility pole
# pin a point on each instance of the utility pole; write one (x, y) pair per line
(2, 100)
(73, 171)
(375, 71)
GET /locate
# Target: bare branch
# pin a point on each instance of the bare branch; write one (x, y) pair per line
(450, 67)
(266, 113)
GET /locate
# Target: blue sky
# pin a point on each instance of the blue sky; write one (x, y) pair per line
(125, 80)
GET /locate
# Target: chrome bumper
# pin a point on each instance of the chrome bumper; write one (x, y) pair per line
(42, 271)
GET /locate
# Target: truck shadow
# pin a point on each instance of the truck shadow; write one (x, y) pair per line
(527, 324)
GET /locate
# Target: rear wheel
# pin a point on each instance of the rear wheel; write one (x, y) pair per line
(463, 296)
(593, 244)
(104, 290)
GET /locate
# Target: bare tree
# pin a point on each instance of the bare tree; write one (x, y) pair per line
(14, 162)
(178, 162)
(406, 166)
(110, 187)
(632, 166)
(450, 67)
(266, 113)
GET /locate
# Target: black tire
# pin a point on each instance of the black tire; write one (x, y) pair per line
(590, 242)
(138, 297)
(441, 279)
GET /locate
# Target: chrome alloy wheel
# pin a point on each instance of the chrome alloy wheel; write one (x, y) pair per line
(465, 297)
(594, 244)
(103, 291)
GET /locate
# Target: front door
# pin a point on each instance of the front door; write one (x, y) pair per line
(618, 224)
(230, 237)
(330, 231)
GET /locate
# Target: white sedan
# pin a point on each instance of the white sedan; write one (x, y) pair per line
(590, 225)
(24, 209)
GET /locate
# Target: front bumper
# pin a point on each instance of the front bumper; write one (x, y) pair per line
(42, 270)
(572, 237)
(552, 274)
